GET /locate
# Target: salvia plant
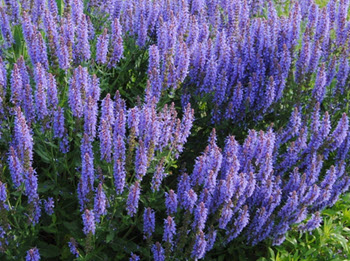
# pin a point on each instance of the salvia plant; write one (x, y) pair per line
(169, 130)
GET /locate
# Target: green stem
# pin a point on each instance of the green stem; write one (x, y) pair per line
(129, 231)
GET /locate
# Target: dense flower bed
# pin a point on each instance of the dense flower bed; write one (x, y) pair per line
(106, 106)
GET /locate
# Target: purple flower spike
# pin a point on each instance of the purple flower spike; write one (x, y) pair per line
(49, 204)
(314, 222)
(169, 230)
(199, 247)
(100, 203)
(105, 134)
(186, 125)
(89, 222)
(190, 200)
(41, 91)
(183, 186)
(117, 43)
(142, 30)
(33, 255)
(3, 78)
(16, 86)
(28, 106)
(134, 257)
(211, 238)
(340, 132)
(148, 222)
(171, 202)
(158, 252)
(52, 99)
(31, 185)
(119, 176)
(141, 160)
(90, 117)
(5, 28)
(73, 247)
(226, 215)
(82, 50)
(102, 47)
(23, 139)
(133, 199)
(158, 177)
(3, 193)
(154, 72)
(240, 223)
(87, 174)
(58, 123)
(63, 54)
(200, 216)
(319, 90)
(16, 168)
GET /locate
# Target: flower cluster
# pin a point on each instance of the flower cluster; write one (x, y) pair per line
(259, 187)
(73, 131)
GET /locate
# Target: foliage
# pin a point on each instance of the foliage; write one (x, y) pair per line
(328, 242)
(174, 130)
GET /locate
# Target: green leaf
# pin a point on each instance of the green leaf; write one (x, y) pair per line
(42, 155)
(49, 229)
(310, 251)
(46, 186)
(292, 240)
(110, 236)
(48, 251)
(73, 227)
(342, 240)
(272, 254)
(51, 144)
